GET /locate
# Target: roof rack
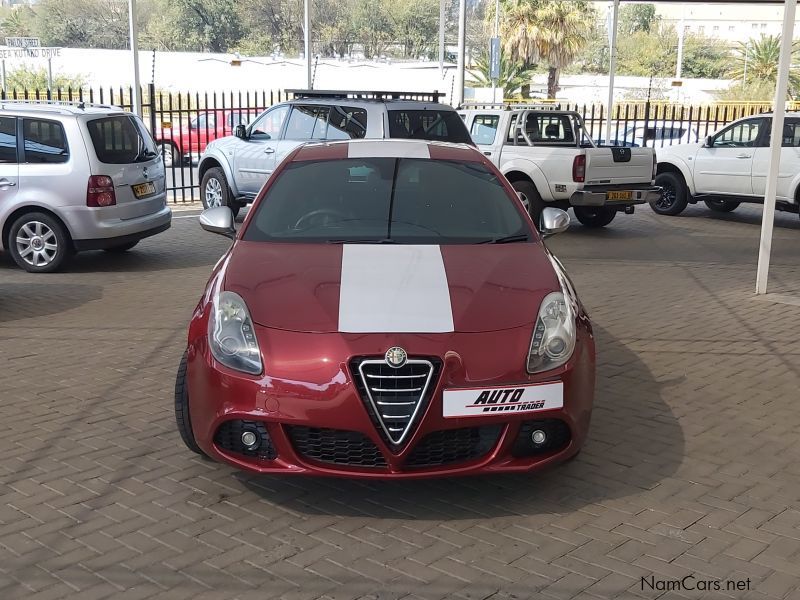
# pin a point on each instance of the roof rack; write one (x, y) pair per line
(81, 104)
(369, 95)
(509, 106)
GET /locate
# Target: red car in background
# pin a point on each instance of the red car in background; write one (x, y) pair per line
(180, 140)
(387, 309)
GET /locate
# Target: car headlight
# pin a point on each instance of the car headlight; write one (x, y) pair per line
(231, 335)
(553, 339)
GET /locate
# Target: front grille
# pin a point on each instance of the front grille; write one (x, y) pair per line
(335, 446)
(453, 446)
(395, 396)
(229, 437)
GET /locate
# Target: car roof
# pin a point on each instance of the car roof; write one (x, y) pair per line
(59, 108)
(387, 148)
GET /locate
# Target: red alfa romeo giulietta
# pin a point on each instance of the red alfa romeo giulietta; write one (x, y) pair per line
(387, 309)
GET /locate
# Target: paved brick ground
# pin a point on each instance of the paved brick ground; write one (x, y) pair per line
(692, 467)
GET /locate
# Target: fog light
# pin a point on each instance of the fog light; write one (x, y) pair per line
(250, 440)
(538, 437)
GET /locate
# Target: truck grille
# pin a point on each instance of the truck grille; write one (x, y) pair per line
(395, 397)
(453, 445)
(335, 446)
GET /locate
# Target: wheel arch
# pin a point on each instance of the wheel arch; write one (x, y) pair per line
(212, 161)
(29, 208)
(681, 170)
(527, 171)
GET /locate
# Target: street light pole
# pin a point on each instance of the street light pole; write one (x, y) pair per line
(612, 67)
(497, 35)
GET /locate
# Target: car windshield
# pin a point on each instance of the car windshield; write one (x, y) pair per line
(387, 200)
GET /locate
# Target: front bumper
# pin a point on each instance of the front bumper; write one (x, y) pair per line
(600, 197)
(316, 421)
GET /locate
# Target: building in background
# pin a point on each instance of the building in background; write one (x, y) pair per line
(729, 22)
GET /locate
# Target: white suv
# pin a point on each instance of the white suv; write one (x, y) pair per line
(76, 176)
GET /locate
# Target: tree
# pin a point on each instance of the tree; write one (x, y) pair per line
(705, 57)
(637, 17)
(551, 32)
(415, 24)
(648, 54)
(24, 78)
(513, 75)
(757, 61)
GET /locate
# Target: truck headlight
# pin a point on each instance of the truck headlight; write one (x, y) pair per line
(231, 335)
(553, 339)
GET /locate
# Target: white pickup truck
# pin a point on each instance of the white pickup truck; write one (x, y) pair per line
(547, 157)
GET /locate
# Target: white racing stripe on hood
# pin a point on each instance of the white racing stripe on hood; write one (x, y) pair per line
(394, 289)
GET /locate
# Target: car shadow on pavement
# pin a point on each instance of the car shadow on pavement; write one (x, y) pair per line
(29, 300)
(634, 442)
(750, 214)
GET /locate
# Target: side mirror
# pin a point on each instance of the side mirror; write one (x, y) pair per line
(525, 202)
(218, 220)
(240, 132)
(553, 221)
(708, 142)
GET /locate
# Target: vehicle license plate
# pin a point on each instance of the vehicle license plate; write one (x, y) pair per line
(140, 190)
(619, 195)
(513, 399)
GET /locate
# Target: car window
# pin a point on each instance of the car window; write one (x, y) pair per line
(268, 126)
(484, 129)
(119, 140)
(307, 122)
(739, 135)
(430, 124)
(791, 133)
(204, 121)
(44, 141)
(238, 117)
(371, 199)
(347, 123)
(8, 140)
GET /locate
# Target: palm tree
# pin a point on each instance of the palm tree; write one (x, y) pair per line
(552, 32)
(513, 74)
(757, 62)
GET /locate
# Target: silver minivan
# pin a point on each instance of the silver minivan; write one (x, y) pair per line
(73, 177)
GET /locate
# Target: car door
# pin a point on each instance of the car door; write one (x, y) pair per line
(306, 122)
(726, 165)
(9, 163)
(254, 157)
(790, 159)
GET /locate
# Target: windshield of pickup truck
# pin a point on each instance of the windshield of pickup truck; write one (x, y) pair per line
(387, 200)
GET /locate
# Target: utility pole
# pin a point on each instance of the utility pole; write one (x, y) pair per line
(136, 100)
(462, 44)
(441, 37)
(495, 51)
(612, 66)
(307, 22)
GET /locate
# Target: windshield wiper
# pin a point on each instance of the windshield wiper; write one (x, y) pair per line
(144, 155)
(379, 241)
(509, 239)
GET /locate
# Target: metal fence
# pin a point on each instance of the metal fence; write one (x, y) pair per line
(183, 123)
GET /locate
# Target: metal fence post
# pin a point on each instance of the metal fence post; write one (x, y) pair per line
(151, 101)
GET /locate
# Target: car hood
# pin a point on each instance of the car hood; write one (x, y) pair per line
(371, 288)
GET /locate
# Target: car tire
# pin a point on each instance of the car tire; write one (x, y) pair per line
(594, 216)
(121, 248)
(535, 203)
(674, 196)
(39, 243)
(723, 206)
(215, 191)
(182, 408)
(170, 154)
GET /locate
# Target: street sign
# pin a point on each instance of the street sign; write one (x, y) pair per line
(494, 58)
(23, 42)
(677, 83)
